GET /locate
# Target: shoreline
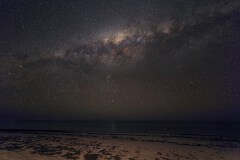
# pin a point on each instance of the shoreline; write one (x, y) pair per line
(92, 146)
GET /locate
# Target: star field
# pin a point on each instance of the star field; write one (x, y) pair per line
(120, 60)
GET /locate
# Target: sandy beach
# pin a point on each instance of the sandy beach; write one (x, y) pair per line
(97, 146)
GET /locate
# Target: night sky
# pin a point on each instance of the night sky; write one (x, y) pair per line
(120, 60)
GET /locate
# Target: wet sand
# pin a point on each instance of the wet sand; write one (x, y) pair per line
(94, 146)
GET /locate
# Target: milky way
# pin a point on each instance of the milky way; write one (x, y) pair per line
(118, 49)
(160, 60)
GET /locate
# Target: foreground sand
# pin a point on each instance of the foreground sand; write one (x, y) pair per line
(58, 146)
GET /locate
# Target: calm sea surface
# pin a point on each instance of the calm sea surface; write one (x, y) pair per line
(196, 128)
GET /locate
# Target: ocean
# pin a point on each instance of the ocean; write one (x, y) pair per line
(151, 127)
